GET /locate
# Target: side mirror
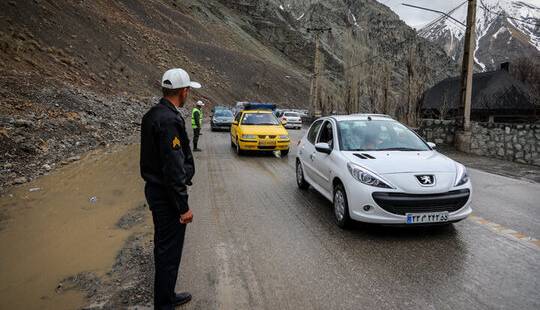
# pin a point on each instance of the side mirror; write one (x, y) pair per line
(323, 148)
(432, 145)
(235, 123)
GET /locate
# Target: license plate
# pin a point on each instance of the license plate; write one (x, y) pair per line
(267, 142)
(432, 217)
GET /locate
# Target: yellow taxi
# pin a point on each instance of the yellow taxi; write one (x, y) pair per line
(259, 130)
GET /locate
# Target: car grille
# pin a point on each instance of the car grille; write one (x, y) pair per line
(265, 137)
(401, 203)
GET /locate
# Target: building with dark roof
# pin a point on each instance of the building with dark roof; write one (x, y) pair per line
(496, 96)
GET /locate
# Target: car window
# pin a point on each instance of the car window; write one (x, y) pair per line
(238, 116)
(259, 119)
(364, 135)
(327, 134)
(292, 114)
(312, 133)
(223, 113)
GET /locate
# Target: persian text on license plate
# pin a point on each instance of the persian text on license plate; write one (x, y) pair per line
(432, 217)
(267, 142)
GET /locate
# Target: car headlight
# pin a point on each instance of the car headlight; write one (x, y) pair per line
(365, 177)
(284, 137)
(249, 137)
(462, 176)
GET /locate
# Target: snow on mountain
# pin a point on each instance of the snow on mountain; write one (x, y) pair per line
(505, 30)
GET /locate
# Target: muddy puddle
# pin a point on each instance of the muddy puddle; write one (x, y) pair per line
(67, 223)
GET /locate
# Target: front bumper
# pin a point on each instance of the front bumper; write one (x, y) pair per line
(293, 124)
(392, 207)
(253, 145)
(221, 125)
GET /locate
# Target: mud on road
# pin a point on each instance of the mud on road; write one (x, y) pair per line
(80, 236)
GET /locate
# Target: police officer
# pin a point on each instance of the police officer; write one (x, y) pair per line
(167, 166)
(196, 123)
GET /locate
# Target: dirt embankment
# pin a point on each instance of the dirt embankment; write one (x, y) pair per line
(76, 75)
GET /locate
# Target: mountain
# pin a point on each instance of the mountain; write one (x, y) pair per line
(362, 25)
(505, 31)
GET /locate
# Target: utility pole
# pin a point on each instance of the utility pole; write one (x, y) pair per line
(463, 137)
(467, 65)
(317, 67)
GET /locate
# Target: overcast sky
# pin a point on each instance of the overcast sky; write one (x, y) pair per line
(417, 18)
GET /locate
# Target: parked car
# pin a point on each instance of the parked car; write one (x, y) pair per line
(222, 119)
(374, 169)
(258, 130)
(291, 119)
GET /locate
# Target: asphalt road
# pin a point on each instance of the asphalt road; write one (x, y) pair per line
(257, 242)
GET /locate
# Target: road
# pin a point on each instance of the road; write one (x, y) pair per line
(258, 242)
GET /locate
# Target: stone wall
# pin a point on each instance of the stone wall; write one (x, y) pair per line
(513, 142)
(437, 131)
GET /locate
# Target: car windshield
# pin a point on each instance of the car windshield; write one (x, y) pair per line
(223, 113)
(260, 119)
(378, 135)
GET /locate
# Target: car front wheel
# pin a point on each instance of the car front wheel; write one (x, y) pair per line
(300, 181)
(341, 207)
(238, 149)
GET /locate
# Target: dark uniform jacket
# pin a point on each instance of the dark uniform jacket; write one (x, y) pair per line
(166, 159)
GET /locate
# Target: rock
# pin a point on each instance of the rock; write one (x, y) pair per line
(20, 180)
(22, 123)
(47, 167)
(73, 158)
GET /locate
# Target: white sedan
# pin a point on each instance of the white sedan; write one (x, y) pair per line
(374, 169)
(292, 119)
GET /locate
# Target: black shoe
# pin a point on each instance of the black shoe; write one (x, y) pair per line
(197, 150)
(182, 298)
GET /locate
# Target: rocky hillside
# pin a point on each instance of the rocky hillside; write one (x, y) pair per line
(79, 74)
(283, 24)
(505, 31)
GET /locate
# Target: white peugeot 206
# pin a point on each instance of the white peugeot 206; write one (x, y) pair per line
(376, 170)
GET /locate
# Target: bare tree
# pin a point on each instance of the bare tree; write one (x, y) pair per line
(356, 67)
(527, 71)
(443, 110)
(416, 81)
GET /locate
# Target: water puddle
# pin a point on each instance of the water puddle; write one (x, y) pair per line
(65, 225)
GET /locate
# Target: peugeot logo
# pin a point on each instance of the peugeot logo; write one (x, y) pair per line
(426, 179)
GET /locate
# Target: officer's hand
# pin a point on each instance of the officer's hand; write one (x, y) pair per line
(186, 217)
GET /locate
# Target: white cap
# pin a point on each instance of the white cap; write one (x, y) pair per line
(177, 78)
(200, 103)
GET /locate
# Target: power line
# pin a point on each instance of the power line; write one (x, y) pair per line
(443, 16)
(500, 13)
(432, 10)
(379, 55)
(408, 39)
